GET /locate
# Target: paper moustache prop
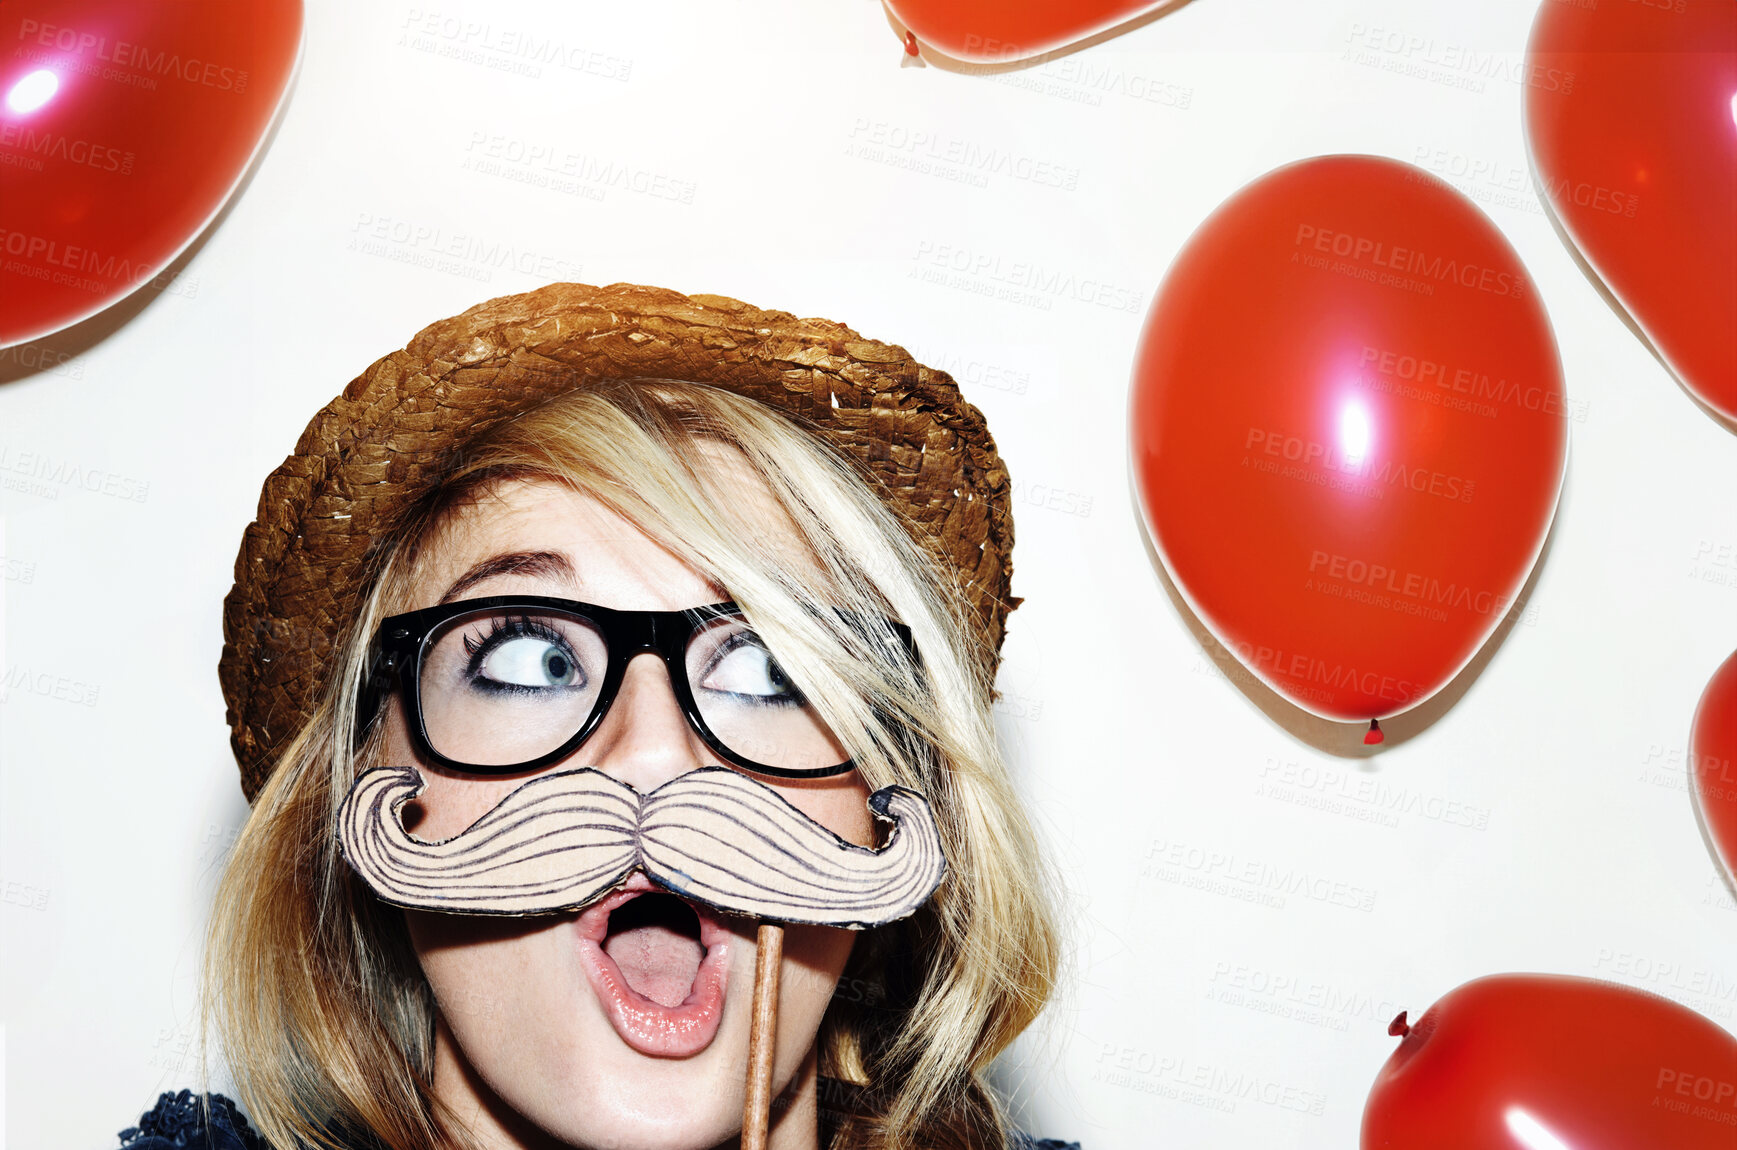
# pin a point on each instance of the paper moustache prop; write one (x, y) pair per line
(561, 841)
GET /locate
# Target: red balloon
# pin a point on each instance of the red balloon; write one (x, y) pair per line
(1544, 1062)
(1713, 762)
(1348, 431)
(124, 127)
(1631, 112)
(998, 31)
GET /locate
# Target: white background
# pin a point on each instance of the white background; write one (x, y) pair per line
(749, 132)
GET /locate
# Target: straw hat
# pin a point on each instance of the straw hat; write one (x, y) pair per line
(373, 450)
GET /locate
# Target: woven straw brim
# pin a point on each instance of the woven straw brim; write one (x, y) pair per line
(378, 447)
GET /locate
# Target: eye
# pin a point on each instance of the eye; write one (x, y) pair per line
(522, 655)
(528, 662)
(743, 666)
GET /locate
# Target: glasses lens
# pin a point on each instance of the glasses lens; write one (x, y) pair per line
(750, 704)
(506, 687)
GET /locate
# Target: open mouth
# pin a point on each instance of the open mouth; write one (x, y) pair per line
(655, 941)
(658, 965)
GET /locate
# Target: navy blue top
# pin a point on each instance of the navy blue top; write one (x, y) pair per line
(213, 1123)
(180, 1120)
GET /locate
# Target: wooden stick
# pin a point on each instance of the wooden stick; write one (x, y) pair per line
(769, 954)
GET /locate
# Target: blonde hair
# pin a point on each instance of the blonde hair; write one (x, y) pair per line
(313, 989)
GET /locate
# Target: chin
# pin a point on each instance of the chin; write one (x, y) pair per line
(669, 1123)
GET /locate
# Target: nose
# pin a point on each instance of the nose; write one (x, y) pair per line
(644, 740)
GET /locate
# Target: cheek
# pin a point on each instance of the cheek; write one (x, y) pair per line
(814, 959)
(447, 805)
(501, 985)
(467, 954)
(841, 806)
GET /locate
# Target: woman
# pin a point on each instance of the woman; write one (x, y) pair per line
(534, 468)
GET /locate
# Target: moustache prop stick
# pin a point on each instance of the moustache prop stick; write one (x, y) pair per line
(561, 841)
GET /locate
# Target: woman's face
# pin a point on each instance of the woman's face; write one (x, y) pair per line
(625, 1025)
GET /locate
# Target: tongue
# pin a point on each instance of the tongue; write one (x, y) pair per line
(656, 961)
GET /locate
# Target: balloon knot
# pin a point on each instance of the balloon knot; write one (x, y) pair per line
(1397, 1027)
(1373, 735)
(910, 43)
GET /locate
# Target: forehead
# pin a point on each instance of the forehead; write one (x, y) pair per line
(541, 537)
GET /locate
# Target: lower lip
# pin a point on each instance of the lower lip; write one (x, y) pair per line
(651, 1027)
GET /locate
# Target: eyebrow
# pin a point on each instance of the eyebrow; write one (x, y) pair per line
(547, 564)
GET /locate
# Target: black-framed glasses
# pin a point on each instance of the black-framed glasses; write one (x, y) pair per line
(510, 683)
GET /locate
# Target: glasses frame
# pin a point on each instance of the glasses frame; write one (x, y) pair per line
(402, 642)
